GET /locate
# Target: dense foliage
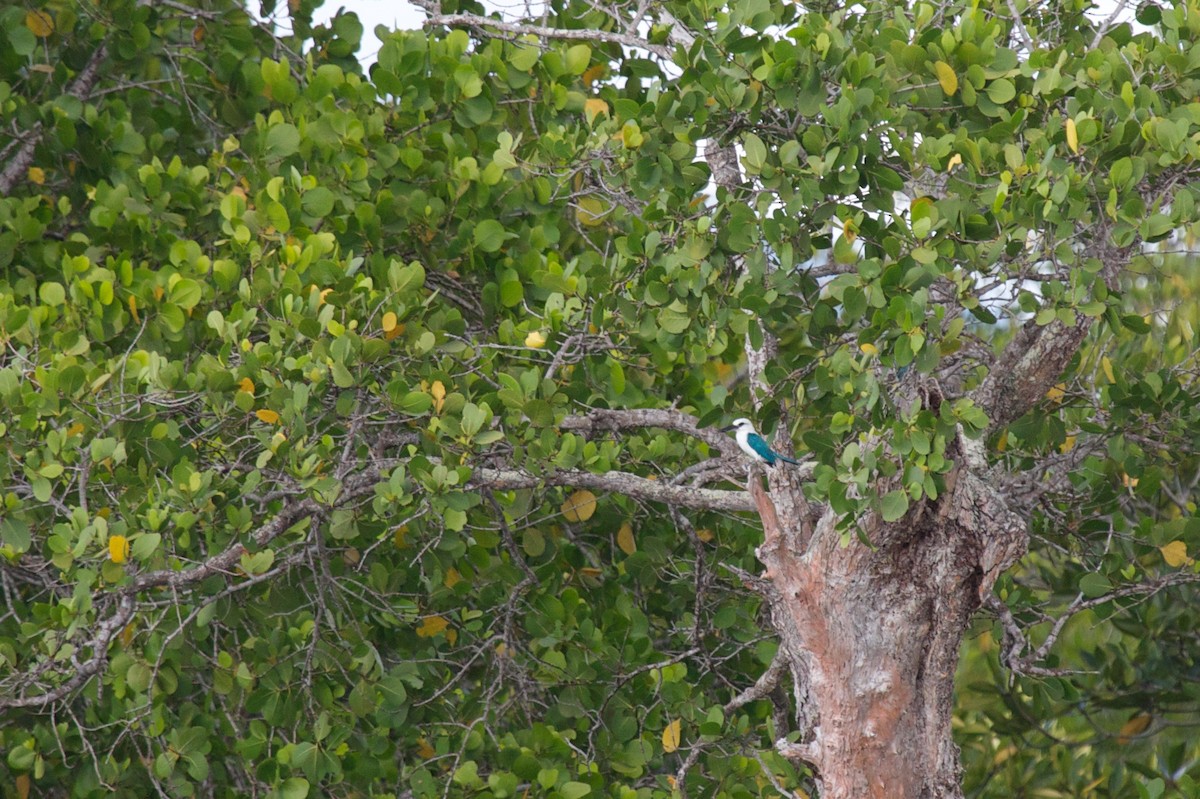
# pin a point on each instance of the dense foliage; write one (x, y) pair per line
(295, 488)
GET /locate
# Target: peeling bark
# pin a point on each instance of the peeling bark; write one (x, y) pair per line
(872, 635)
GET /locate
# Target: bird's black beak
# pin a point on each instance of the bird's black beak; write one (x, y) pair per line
(728, 427)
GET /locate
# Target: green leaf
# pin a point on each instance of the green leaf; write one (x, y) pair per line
(578, 58)
(1001, 91)
(186, 293)
(1093, 585)
(294, 788)
(282, 140)
(52, 293)
(416, 403)
(756, 153)
(894, 505)
(574, 790)
(15, 533)
(490, 235)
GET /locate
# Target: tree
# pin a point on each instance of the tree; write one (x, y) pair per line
(361, 431)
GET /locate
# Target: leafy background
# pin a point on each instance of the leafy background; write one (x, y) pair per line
(268, 323)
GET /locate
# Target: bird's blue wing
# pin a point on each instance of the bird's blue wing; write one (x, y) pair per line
(760, 445)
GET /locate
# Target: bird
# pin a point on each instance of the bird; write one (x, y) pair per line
(755, 445)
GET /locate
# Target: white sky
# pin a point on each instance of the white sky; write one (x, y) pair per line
(394, 14)
(398, 14)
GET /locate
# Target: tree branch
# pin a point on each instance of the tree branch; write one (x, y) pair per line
(105, 632)
(1015, 641)
(667, 418)
(1028, 368)
(436, 17)
(620, 483)
(81, 89)
(222, 562)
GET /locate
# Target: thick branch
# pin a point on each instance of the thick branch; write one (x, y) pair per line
(1029, 366)
(620, 483)
(105, 632)
(666, 418)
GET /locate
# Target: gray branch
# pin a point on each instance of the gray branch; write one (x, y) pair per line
(625, 483)
(540, 31)
(665, 418)
(1029, 366)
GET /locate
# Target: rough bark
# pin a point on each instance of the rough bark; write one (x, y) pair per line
(872, 634)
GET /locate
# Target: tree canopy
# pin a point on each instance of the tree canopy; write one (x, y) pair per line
(360, 426)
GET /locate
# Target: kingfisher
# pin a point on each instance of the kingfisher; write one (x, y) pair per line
(755, 445)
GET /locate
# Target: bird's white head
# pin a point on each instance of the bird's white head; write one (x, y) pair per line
(740, 425)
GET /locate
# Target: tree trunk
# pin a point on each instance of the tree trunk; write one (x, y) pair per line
(872, 634)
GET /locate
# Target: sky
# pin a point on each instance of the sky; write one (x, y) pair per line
(395, 14)
(398, 14)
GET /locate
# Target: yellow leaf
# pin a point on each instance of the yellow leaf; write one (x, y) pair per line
(1135, 726)
(37, 175)
(625, 539)
(1072, 135)
(424, 750)
(1003, 754)
(1067, 445)
(431, 626)
(40, 23)
(536, 339)
(849, 230)
(395, 331)
(389, 322)
(670, 737)
(118, 548)
(592, 73)
(267, 415)
(23, 783)
(955, 160)
(580, 506)
(1056, 393)
(869, 348)
(1002, 442)
(398, 536)
(590, 211)
(75, 429)
(246, 385)
(452, 578)
(593, 107)
(439, 395)
(1128, 482)
(946, 77)
(133, 308)
(705, 535)
(1106, 365)
(1175, 554)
